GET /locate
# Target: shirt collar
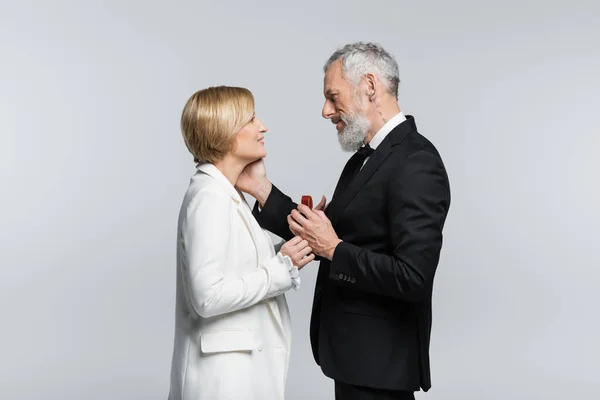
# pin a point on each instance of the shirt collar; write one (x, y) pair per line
(387, 128)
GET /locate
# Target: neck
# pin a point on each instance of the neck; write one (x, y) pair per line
(384, 111)
(230, 167)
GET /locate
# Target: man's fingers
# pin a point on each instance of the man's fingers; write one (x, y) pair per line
(306, 211)
(294, 226)
(321, 215)
(299, 218)
(294, 231)
(321, 205)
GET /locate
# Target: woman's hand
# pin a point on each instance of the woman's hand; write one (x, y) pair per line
(298, 250)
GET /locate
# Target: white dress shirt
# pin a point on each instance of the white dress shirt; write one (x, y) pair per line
(385, 129)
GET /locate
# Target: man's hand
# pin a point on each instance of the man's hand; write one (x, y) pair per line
(322, 204)
(253, 180)
(316, 229)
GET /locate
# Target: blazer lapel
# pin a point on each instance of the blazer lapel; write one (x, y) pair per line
(396, 136)
(210, 169)
(246, 221)
(236, 197)
(260, 242)
(251, 224)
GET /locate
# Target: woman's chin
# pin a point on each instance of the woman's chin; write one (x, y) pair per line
(256, 157)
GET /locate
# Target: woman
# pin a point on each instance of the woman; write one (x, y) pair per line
(232, 325)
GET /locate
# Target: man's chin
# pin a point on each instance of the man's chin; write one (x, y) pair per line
(349, 149)
(346, 146)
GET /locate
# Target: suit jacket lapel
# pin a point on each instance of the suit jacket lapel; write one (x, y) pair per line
(339, 204)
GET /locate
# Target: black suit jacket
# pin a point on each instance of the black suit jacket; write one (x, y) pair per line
(371, 317)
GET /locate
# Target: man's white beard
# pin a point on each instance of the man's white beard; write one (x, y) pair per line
(353, 136)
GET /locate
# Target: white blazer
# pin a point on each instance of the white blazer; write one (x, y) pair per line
(232, 323)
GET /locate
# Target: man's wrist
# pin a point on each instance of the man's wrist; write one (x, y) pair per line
(262, 192)
(329, 254)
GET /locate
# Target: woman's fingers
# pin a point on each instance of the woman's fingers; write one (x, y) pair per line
(305, 261)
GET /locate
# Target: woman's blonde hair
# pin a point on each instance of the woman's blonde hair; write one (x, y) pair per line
(212, 118)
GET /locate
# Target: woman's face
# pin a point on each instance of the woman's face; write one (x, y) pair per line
(249, 141)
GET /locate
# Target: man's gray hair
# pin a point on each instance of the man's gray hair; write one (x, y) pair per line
(359, 59)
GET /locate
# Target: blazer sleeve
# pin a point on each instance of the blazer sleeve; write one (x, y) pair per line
(417, 205)
(206, 240)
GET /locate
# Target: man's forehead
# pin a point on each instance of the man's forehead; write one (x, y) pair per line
(332, 79)
(334, 70)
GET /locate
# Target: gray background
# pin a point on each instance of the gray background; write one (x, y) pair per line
(93, 170)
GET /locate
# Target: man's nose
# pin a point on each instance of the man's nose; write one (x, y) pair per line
(328, 110)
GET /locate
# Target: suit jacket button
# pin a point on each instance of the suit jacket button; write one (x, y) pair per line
(341, 276)
(353, 280)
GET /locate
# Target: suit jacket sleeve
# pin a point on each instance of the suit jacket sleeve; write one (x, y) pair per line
(206, 234)
(417, 205)
(273, 216)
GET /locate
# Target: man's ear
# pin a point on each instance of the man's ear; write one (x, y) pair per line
(371, 81)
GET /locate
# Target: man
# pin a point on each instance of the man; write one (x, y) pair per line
(378, 240)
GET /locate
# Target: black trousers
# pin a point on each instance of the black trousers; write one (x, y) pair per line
(344, 391)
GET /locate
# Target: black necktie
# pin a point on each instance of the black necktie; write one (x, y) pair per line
(352, 167)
